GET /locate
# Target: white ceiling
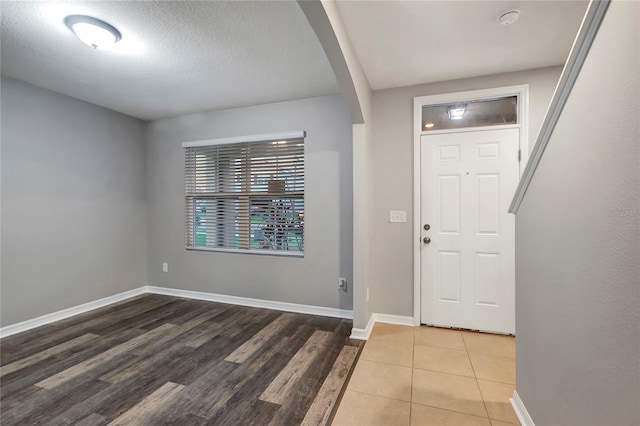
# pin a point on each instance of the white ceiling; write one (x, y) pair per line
(401, 43)
(174, 57)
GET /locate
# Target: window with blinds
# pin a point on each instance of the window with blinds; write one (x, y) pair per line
(245, 195)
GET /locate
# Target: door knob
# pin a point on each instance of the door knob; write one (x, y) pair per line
(426, 240)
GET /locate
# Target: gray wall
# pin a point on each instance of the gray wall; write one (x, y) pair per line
(326, 21)
(391, 272)
(328, 206)
(73, 202)
(577, 273)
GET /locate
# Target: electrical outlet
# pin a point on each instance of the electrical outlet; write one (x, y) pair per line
(342, 284)
(367, 294)
(165, 267)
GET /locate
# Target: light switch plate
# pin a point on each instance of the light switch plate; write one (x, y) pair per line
(397, 216)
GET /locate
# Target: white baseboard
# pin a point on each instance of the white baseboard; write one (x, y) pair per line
(521, 410)
(69, 312)
(394, 319)
(256, 303)
(364, 333)
(233, 300)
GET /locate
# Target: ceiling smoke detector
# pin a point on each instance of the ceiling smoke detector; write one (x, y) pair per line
(509, 17)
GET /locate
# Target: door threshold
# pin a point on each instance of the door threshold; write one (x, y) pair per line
(473, 330)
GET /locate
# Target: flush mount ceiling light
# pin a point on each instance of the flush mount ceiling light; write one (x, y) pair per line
(456, 113)
(91, 31)
(509, 17)
(429, 125)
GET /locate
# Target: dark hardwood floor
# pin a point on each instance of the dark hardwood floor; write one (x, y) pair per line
(155, 360)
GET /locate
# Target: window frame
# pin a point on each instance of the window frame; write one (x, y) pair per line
(242, 197)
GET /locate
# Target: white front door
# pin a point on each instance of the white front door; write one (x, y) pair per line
(468, 267)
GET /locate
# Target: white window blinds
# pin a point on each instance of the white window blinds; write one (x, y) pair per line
(245, 195)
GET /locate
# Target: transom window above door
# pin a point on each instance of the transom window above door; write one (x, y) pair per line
(246, 196)
(475, 113)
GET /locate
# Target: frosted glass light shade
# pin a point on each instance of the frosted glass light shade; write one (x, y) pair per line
(92, 32)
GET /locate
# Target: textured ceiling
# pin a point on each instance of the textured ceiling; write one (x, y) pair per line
(401, 43)
(174, 57)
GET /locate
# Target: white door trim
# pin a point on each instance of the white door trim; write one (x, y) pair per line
(521, 91)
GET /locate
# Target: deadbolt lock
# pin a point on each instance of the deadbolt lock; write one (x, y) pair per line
(427, 227)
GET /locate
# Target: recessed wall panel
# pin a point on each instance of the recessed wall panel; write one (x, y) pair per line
(487, 279)
(449, 276)
(488, 204)
(449, 204)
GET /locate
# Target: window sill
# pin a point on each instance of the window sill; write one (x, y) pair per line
(258, 252)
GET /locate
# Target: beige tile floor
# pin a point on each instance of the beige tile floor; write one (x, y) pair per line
(431, 376)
